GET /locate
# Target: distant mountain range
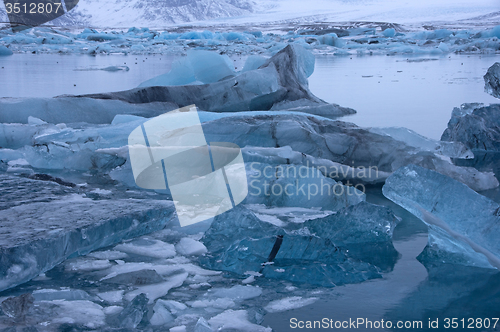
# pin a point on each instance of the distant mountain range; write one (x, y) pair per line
(163, 13)
(157, 13)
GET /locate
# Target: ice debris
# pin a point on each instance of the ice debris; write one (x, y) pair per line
(37, 236)
(190, 247)
(282, 78)
(341, 40)
(459, 233)
(476, 126)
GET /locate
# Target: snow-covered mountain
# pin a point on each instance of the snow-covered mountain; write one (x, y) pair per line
(163, 13)
(155, 13)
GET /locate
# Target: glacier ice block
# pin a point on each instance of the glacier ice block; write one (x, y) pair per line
(35, 237)
(463, 225)
(350, 246)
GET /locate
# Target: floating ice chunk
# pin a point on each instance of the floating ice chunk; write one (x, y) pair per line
(237, 292)
(132, 314)
(492, 80)
(253, 62)
(168, 269)
(231, 36)
(112, 310)
(35, 121)
(71, 110)
(65, 294)
(331, 39)
(495, 32)
(202, 326)
(180, 328)
(181, 73)
(112, 296)
(5, 51)
(473, 226)
(158, 290)
(14, 136)
(108, 254)
(84, 313)
(220, 303)
(86, 264)
(18, 162)
(173, 306)
(235, 320)
(100, 37)
(478, 130)
(148, 247)
(109, 68)
(124, 118)
(202, 66)
(299, 186)
(369, 154)
(100, 191)
(135, 278)
(209, 66)
(351, 246)
(443, 248)
(307, 106)
(161, 315)
(190, 247)
(289, 303)
(17, 307)
(411, 138)
(444, 47)
(282, 77)
(41, 235)
(390, 32)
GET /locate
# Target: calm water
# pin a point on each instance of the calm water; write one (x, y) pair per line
(418, 93)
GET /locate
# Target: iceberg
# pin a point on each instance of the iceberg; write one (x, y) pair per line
(39, 233)
(378, 38)
(74, 110)
(459, 233)
(253, 62)
(341, 151)
(476, 126)
(132, 314)
(286, 185)
(5, 51)
(283, 77)
(350, 246)
(236, 320)
(492, 80)
(201, 66)
(411, 138)
(339, 142)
